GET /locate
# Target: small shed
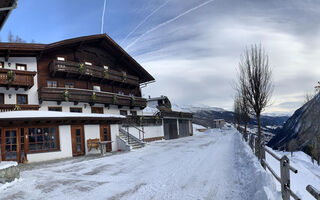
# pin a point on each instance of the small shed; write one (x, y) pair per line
(219, 123)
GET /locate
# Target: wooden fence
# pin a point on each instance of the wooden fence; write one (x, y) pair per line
(260, 151)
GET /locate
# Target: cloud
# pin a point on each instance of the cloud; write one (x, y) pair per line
(194, 59)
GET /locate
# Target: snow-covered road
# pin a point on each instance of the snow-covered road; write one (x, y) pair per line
(211, 165)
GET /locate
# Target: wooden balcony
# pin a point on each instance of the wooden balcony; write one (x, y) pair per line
(86, 96)
(93, 73)
(13, 107)
(22, 79)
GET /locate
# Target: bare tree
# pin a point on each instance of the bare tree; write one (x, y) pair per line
(15, 39)
(255, 82)
(244, 114)
(237, 114)
(315, 153)
(293, 145)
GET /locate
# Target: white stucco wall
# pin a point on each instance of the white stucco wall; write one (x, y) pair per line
(114, 128)
(86, 108)
(150, 131)
(91, 132)
(65, 148)
(32, 93)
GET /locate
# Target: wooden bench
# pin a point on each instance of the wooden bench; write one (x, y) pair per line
(93, 143)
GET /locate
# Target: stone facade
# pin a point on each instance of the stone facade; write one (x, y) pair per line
(9, 174)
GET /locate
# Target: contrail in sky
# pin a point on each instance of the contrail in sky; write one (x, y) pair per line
(167, 22)
(143, 21)
(103, 12)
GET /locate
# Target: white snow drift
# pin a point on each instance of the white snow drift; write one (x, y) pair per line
(211, 165)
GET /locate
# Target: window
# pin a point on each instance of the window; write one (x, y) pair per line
(133, 113)
(74, 109)
(123, 112)
(61, 58)
(59, 109)
(97, 88)
(1, 65)
(52, 84)
(22, 67)
(69, 85)
(1, 98)
(97, 110)
(43, 139)
(22, 99)
(88, 63)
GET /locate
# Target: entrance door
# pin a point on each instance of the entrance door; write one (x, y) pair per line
(105, 135)
(170, 129)
(77, 137)
(10, 144)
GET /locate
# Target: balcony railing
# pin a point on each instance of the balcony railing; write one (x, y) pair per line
(69, 68)
(89, 96)
(13, 107)
(16, 78)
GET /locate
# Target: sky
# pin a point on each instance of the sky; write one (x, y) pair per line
(192, 47)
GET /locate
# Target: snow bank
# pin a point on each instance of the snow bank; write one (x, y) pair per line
(7, 164)
(308, 173)
(263, 185)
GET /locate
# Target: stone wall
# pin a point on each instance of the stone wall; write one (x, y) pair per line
(9, 174)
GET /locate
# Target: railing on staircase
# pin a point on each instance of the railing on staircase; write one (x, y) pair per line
(141, 131)
(127, 133)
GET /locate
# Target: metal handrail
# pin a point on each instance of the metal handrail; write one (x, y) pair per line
(313, 191)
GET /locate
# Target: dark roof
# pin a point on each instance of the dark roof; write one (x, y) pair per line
(28, 49)
(5, 13)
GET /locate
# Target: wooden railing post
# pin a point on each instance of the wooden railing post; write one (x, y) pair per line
(285, 177)
(262, 155)
(251, 142)
(256, 147)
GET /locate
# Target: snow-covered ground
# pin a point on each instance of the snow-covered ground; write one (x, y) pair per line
(308, 173)
(215, 164)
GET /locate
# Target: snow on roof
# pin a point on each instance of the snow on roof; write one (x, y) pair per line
(150, 111)
(53, 114)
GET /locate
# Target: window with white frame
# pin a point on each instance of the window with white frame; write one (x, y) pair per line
(97, 88)
(61, 58)
(22, 67)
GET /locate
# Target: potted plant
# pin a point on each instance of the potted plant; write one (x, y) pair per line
(66, 95)
(140, 120)
(132, 101)
(81, 68)
(157, 118)
(16, 108)
(106, 73)
(11, 76)
(115, 99)
(124, 76)
(93, 97)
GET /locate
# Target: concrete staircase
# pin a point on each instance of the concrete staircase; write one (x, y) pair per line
(134, 142)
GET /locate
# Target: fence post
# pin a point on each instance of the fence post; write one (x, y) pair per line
(251, 142)
(285, 177)
(262, 155)
(256, 147)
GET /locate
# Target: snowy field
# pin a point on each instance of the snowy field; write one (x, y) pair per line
(211, 165)
(308, 173)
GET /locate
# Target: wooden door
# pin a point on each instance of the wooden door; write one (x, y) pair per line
(10, 143)
(77, 137)
(105, 135)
